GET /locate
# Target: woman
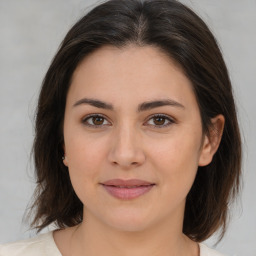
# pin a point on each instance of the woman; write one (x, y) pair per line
(137, 148)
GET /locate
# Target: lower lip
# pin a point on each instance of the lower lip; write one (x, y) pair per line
(127, 193)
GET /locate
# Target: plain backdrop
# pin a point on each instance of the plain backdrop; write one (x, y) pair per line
(30, 33)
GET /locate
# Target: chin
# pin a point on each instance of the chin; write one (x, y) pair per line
(129, 222)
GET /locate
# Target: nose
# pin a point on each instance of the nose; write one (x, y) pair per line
(126, 149)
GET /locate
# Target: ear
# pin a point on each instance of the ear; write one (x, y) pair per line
(211, 140)
(64, 158)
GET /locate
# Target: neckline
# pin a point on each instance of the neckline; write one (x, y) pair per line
(55, 249)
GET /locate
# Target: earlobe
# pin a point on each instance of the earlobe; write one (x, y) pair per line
(65, 160)
(64, 157)
(212, 140)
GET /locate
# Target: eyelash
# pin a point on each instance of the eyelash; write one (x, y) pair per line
(165, 117)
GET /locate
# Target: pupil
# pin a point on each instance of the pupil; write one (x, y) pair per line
(98, 120)
(159, 120)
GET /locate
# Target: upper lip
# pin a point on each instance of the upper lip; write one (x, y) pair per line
(131, 182)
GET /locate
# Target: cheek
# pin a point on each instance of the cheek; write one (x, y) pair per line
(84, 151)
(176, 150)
(176, 160)
(85, 157)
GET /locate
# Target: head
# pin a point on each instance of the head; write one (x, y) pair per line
(175, 34)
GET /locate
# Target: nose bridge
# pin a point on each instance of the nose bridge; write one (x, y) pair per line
(126, 149)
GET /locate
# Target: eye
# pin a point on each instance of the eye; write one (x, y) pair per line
(95, 121)
(160, 121)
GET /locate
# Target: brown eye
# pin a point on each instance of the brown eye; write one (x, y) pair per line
(159, 120)
(95, 121)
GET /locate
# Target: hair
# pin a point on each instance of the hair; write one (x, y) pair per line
(178, 32)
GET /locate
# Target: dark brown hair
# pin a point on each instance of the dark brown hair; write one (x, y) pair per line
(184, 37)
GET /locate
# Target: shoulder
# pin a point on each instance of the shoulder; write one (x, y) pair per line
(206, 251)
(41, 245)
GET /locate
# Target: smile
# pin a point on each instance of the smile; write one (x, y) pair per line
(127, 189)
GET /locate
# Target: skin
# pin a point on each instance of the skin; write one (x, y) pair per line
(129, 144)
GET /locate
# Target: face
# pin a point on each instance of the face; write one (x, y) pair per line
(133, 137)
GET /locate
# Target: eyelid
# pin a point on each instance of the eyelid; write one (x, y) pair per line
(167, 117)
(170, 119)
(84, 119)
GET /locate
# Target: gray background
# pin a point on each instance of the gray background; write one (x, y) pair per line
(31, 31)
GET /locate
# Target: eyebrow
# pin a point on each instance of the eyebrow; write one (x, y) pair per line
(142, 107)
(158, 103)
(94, 103)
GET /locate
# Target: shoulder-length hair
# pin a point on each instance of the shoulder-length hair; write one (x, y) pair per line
(178, 32)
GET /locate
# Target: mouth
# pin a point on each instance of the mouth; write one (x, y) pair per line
(127, 189)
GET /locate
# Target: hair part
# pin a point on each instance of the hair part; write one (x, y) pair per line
(180, 34)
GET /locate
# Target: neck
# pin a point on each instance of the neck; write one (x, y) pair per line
(165, 239)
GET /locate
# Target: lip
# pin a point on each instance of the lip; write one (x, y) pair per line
(126, 183)
(127, 189)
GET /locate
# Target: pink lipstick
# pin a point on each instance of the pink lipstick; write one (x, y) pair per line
(127, 189)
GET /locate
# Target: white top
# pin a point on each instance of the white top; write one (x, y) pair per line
(44, 245)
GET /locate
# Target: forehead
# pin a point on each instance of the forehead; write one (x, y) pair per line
(127, 59)
(142, 73)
